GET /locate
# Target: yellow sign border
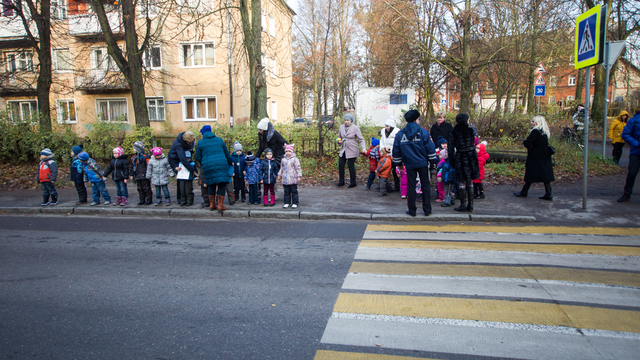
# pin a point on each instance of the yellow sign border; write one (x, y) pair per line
(596, 59)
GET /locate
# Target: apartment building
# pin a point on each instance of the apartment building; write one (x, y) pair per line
(188, 64)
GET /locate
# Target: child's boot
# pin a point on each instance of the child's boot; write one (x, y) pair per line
(167, 201)
(440, 188)
(124, 201)
(273, 200)
(159, 201)
(475, 191)
(45, 200)
(266, 200)
(480, 192)
(231, 198)
(118, 200)
(54, 200)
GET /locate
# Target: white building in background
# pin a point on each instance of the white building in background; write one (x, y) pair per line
(374, 105)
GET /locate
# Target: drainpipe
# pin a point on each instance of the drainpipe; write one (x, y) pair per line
(229, 60)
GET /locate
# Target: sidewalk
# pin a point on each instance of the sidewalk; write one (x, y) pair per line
(321, 203)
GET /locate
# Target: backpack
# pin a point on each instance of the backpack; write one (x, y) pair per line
(44, 172)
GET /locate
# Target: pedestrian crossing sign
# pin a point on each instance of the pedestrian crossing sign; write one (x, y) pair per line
(590, 36)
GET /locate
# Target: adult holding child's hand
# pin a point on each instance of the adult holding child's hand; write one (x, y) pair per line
(349, 136)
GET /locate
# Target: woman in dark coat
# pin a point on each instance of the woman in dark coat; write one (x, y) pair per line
(462, 148)
(269, 138)
(213, 155)
(538, 167)
(178, 154)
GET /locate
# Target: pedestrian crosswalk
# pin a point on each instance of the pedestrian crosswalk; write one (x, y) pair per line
(456, 292)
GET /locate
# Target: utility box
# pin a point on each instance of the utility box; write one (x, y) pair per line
(374, 105)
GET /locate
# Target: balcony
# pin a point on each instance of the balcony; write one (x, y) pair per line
(100, 81)
(86, 25)
(22, 83)
(12, 32)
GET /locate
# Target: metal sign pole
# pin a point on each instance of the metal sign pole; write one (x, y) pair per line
(606, 99)
(586, 137)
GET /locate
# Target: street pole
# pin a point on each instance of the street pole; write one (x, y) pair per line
(606, 98)
(586, 137)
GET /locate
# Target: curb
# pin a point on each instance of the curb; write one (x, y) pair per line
(263, 214)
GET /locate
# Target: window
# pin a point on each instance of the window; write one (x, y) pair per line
(152, 58)
(66, 109)
(593, 79)
(272, 26)
(263, 20)
(199, 108)
(274, 70)
(62, 60)
(456, 104)
(155, 108)
(572, 80)
(552, 100)
(273, 115)
(7, 9)
(489, 88)
(197, 55)
(112, 109)
(148, 8)
(18, 61)
(398, 99)
(58, 9)
(571, 98)
(619, 99)
(553, 81)
(100, 60)
(20, 111)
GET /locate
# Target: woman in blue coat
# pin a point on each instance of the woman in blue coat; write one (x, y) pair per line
(214, 158)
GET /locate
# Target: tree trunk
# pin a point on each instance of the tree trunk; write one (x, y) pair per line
(44, 81)
(465, 73)
(579, 85)
(533, 59)
(252, 30)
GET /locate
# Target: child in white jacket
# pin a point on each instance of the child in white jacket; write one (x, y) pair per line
(290, 173)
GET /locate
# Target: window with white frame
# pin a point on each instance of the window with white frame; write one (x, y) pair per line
(112, 110)
(572, 80)
(552, 100)
(272, 25)
(274, 69)
(58, 9)
(66, 109)
(62, 60)
(100, 60)
(197, 55)
(197, 6)
(489, 88)
(553, 81)
(199, 108)
(456, 104)
(152, 57)
(593, 79)
(273, 114)
(263, 19)
(23, 110)
(147, 8)
(18, 61)
(155, 108)
(571, 98)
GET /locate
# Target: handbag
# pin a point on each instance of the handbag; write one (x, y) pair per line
(551, 150)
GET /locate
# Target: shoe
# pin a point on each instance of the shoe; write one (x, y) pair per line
(546, 197)
(94, 203)
(221, 206)
(410, 213)
(212, 202)
(352, 186)
(141, 202)
(159, 202)
(204, 205)
(427, 214)
(469, 200)
(368, 188)
(78, 203)
(148, 203)
(625, 197)
(520, 194)
(107, 202)
(294, 206)
(167, 202)
(125, 201)
(340, 184)
(187, 204)
(53, 203)
(45, 203)
(382, 195)
(285, 206)
(438, 200)
(547, 193)
(266, 204)
(118, 199)
(463, 204)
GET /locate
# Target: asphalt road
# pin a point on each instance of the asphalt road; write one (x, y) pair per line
(108, 288)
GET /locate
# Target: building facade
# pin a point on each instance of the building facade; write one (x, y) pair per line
(195, 72)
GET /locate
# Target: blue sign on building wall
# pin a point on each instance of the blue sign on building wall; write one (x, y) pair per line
(398, 99)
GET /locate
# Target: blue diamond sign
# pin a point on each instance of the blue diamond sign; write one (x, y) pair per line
(540, 90)
(590, 35)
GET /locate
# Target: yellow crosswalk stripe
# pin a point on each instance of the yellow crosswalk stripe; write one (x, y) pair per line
(515, 272)
(341, 355)
(507, 229)
(582, 317)
(490, 246)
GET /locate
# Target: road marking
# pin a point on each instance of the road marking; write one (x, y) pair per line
(490, 310)
(507, 229)
(341, 355)
(486, 246)
(512, 272)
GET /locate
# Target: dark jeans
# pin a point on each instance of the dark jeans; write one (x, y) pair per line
(352, 169)
(291, 194)
(98, 188)
(121, 188)
(205, 195)
(49, 189)
(396, 179)
(211, 189)
(411, 189)
(186, 192)
(144, 191)
(162, 189)
(372, 176)
(254, 198)
(238, 188)
(81, 188)
(617, 151)
(634, 166)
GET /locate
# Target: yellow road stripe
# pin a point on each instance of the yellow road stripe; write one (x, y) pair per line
(522, 312)
(516, 272)
(340, 355)
(485, 246)
(508, 229)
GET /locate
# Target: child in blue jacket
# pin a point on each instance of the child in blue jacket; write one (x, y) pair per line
(253, 177)
(239, 171)
(269, 171)
(76, 175)
(93, 173)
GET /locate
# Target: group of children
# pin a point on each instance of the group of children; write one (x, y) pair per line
(154, 169)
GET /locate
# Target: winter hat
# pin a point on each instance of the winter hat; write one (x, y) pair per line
(268, 150)
(387, 149)
(263, 124)
(375, 142)
(391, 121)
(119, 151)
(138, 146)
(462, 118)
(350, 118)
(205, 129)
(250, 157)
(441, 141)
(76, 149)
(289, 147)
(46, 152)
(83, 156)
(156, 151)
(237, 146)
(411, 115)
